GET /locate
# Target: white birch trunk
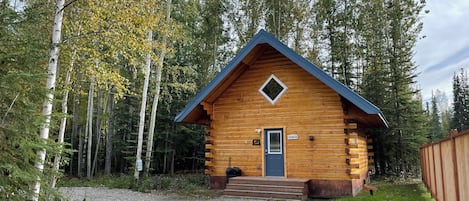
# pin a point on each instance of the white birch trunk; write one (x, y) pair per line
(141, 124)
(63, 123)
(159, 70)
(89, 128)
(50, 86)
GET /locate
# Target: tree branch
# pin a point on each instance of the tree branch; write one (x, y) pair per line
(66, 5)
(9, 109)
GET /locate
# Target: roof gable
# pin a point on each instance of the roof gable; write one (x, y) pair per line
(264, 37)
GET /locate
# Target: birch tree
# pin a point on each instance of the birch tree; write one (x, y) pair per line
(156, 97)
(141, 124)
(89, 127)
(50, 86)
(63, 123)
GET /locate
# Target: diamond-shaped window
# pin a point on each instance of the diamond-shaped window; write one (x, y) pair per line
(272, 89)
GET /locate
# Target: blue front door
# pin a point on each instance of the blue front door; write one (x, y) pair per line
(274, 162)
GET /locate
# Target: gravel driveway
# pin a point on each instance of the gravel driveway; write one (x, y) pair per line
(105, 194)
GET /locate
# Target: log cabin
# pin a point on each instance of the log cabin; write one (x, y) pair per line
(275, 115)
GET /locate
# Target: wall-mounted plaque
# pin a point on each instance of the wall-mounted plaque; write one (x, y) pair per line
(256, 142)
(292, 136)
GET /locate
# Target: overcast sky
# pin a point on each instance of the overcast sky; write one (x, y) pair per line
(445, 49)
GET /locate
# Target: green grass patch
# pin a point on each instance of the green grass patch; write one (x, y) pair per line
(393, 190)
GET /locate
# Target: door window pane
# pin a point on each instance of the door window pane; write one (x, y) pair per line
(275, 142)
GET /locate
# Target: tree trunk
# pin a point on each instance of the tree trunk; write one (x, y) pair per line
(50, 87)
(165, 156)
(141, 123)
(80, 154)
(89, 128)
(109, 134)
(172, 161)
(159, 70)
(63, 123)
(76, 119)
(98, 129)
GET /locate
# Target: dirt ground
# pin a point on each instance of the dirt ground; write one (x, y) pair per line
(105, 194)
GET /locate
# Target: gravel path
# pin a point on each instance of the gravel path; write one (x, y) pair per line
(105, 194)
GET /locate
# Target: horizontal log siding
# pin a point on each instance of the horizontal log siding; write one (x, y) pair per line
(307, 108)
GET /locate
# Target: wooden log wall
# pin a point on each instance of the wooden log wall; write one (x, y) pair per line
(445, 169)
(307, 108)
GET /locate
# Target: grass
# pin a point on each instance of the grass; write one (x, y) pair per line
(394, 190)
(195, 186)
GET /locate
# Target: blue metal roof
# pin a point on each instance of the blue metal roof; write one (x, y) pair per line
(265, 37)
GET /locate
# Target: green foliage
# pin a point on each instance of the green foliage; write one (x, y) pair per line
(387, 32)
(23, 53)
(202, 45)
(337, 25)
(435, 130)
(460, 118)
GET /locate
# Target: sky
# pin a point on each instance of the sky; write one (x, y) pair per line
(445, 48)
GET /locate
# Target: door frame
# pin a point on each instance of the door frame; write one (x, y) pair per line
(284, 148)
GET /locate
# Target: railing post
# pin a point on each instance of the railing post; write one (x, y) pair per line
(455, 162)
(442, 172)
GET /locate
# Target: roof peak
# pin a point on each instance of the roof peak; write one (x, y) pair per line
(265, 37)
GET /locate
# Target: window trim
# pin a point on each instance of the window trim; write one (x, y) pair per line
(280, 151)
(272, 76)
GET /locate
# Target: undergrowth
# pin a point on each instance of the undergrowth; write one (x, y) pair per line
(185, 185)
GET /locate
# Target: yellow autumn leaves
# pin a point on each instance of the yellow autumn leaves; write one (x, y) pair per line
(102, 37)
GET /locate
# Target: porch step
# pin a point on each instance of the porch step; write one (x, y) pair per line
(268, 187)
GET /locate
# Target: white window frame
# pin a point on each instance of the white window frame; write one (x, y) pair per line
(279, 95)
(281, 142)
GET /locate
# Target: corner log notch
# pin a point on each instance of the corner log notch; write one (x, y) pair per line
(209, 165)
(356, 141)
(208, 107)
(353, 157)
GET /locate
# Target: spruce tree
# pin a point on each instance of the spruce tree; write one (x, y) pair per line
(435, 130)
(460, 118)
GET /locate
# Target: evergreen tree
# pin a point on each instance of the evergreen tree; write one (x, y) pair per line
(337, 22)
(435, 131)
(23, 58)
(460, 118)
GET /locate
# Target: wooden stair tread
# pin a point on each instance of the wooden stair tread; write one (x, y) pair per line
(270, 179)
(265, 185)
(254, 198)
(268, 187)
(265, 192)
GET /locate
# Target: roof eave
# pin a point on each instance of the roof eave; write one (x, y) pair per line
(258, 39)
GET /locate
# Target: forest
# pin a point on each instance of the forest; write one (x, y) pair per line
(91, 88)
